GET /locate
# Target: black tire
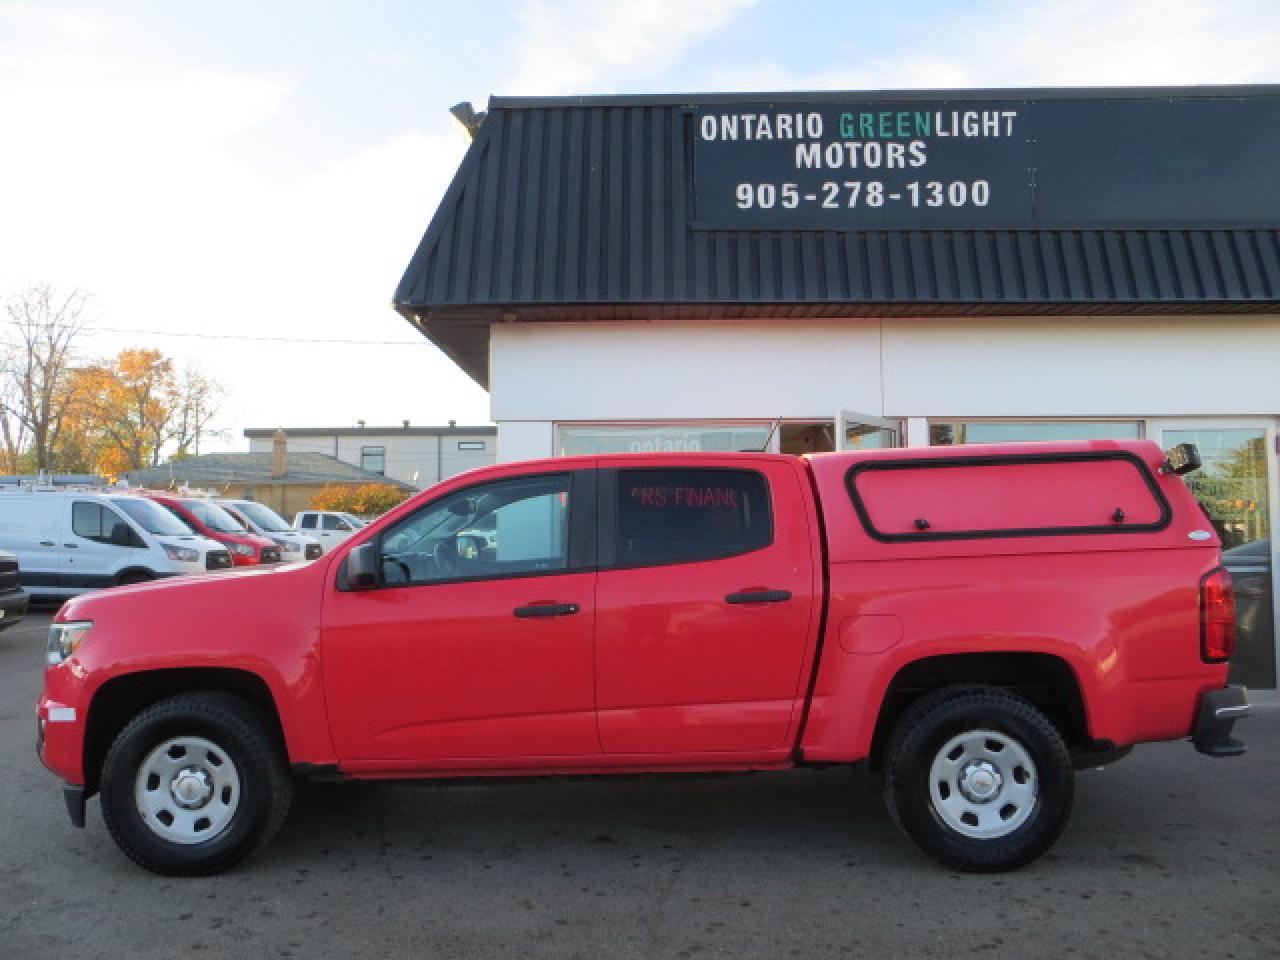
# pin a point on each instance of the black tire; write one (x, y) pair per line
(937, 720)
(241, 733)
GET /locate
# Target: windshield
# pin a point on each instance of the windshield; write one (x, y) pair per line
(263, 516)
(213, 516)
(356, 522)
(151, 517)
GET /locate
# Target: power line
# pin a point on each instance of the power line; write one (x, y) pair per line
(237, 336)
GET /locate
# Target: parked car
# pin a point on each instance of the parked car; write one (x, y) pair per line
(68, 541)
(330, 527)
(260, 519)
(973, 622)
(13, 599)
(209, 520)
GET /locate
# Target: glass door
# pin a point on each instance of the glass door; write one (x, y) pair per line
(861, 431)
(1237, 488)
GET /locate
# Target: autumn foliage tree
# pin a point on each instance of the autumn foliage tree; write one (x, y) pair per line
(131, 407)
(367, 499)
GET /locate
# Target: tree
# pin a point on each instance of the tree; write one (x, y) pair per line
(125, 406)
(38, 388)
(366, 499)
(198, 398)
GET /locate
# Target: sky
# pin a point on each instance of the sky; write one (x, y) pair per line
(241, 184)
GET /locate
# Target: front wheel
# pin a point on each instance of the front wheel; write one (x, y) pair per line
(194, 784)
(979, 778)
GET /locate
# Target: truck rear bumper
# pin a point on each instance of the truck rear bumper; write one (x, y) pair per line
(1215, 716)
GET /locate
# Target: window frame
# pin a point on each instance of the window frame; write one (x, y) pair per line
(581, 545)
(1005, 460)
(609, 533)
(472, 445)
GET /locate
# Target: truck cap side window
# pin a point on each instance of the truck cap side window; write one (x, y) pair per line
(687, 515)
(308, 521)
(516, 527)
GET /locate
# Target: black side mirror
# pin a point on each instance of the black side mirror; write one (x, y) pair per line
(121, 535)
(362, 567)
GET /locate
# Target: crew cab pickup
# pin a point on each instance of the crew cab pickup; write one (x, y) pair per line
(974, 623)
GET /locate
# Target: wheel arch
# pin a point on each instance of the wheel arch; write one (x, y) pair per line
(1047, 681)
(121, 698)
(145, 573)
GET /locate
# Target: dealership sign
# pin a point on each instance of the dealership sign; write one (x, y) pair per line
(1035, 164)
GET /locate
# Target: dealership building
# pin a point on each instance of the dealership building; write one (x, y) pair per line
(807, 272)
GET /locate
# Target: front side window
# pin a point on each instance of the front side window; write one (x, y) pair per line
(95, 522)
(330, 522)
(373, 459)
(682, 516)
(517, 527)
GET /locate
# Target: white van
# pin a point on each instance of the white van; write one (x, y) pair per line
(69, 541)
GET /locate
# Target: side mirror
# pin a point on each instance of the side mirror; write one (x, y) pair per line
(121, 535)
(362, 567)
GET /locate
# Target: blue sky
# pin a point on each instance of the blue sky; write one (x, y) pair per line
(266, 168)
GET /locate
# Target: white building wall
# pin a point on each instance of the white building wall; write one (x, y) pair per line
(543, 373)
(410, 458)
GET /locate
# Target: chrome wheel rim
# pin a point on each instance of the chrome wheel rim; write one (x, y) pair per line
(187, 790)
(983, 784)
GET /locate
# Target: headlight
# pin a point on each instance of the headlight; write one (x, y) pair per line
(64, 638)
(184, 554)
(288, 546)
(243, 550)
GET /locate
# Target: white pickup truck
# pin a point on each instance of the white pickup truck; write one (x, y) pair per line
(330, 527)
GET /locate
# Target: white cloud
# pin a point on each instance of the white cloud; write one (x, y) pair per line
(585, 46)
(1085, 43)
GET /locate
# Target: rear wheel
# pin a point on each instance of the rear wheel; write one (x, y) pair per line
(194, 784)
(979, 778)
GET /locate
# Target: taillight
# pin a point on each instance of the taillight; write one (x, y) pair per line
(1217, 617)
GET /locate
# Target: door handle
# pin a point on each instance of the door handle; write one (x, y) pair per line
(547, 610)
(72, 546)
(758, 596)
(47, 543)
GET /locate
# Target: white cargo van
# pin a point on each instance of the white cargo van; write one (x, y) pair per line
(69, 541)
(260, 519)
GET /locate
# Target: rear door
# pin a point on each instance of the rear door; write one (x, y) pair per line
(706, 606)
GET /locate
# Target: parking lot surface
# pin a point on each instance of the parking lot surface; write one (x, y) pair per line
(1168, 854)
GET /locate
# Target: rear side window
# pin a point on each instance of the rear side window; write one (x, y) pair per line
(682, 516)
(1007, 496)
(308, 521)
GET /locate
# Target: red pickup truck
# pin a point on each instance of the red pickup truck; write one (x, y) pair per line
(974, 623)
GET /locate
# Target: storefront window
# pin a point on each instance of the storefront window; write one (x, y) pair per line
(666, 438)
(945, 434)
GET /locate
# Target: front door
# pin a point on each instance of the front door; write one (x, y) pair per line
(475, 649)
(704, 607)
(1236, 486)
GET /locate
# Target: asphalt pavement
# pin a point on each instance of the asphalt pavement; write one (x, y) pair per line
(1168, 855)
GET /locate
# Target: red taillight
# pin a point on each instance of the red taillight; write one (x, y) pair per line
(1217, 617)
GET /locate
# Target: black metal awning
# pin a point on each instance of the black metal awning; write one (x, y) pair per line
(585, 209)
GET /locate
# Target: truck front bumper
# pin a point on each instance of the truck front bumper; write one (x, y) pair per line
(1215, 716)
